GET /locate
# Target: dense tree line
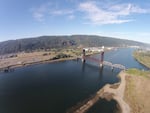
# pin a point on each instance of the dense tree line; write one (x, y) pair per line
(49, 42)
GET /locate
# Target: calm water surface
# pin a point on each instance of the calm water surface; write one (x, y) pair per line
(55, 87)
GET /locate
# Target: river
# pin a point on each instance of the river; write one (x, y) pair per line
(55, 87)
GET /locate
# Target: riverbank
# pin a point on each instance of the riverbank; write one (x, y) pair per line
(12, 61)
(109, 92)
(13, 66)
(131, 93)
(137, 90)
(15, 60)
(143, 57)
(24, 59)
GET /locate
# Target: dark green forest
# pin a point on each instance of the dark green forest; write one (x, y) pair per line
(49, 42)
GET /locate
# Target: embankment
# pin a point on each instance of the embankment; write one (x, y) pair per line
(107, 92)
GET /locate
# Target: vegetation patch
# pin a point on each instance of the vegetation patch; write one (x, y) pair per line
(137, 91)
(143, 57)
(61, 55)
(134, 71)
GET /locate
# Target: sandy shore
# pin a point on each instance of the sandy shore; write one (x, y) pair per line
(108, 92)
(117, 94)
(131, 94)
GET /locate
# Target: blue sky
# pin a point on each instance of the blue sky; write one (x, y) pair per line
(127, 19)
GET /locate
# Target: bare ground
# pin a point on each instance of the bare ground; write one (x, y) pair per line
(23, 59)
(137, 93)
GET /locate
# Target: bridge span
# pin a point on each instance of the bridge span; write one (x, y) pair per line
(119, 66)
(101, 61)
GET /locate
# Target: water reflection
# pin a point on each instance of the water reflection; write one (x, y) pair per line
(83, 66)
(101, 73)
(55, 87)
(104, 106)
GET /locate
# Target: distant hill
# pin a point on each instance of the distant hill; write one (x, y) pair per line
(48, 42)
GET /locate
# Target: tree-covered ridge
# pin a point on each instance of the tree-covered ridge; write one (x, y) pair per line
(48, 42)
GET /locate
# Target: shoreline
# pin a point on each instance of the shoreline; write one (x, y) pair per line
(141, 62)
(2, 69)
(108, 92)
(14, 66)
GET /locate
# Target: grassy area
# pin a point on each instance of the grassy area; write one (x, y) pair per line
(65, 53)
(72, 52)
(134, 71)
(137, 90)
(143, 57)
(131, 93)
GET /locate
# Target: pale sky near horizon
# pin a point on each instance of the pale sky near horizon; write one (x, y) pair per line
(127, 19)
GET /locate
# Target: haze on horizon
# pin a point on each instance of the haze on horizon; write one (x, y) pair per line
(120, 19)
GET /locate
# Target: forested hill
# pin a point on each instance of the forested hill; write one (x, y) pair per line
(48, 42)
